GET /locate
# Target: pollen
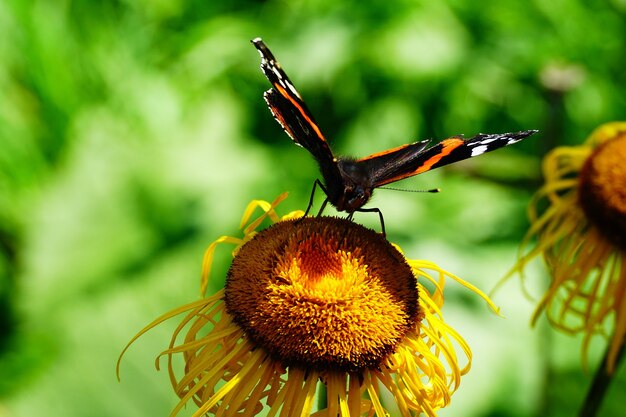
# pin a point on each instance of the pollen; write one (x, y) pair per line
(602, 189)
(322, 293)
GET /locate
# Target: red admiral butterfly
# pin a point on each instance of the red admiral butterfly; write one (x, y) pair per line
(349, 183)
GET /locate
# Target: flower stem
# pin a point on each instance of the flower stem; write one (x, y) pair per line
(600, 384)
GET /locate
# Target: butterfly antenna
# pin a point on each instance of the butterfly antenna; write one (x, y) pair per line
(432, 190)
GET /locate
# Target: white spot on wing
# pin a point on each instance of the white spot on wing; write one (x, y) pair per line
(513, 140)
(293, 89)
(276, 72)
(489, 140)
(479, 150)
(284, 82)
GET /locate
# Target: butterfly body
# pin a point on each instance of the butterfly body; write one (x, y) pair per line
(349, 183)
(354, 188)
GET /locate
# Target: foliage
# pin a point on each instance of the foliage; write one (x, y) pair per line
(133, 132)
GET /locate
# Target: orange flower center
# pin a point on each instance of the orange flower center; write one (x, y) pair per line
(602, 189)
(322, 293)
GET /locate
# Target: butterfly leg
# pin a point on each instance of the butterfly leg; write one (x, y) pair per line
(319, 213)
(373, 210)
(315, 185)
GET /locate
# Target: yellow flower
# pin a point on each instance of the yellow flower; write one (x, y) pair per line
(316, 302)
(578, 218)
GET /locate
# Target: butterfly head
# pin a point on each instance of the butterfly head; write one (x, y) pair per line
(356, 187)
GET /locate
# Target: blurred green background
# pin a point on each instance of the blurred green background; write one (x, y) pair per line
(133, 134)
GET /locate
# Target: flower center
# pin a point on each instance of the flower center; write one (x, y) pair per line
(322, 293)
(602, 189)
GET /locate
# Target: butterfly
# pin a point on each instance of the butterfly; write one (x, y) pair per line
(348, 182)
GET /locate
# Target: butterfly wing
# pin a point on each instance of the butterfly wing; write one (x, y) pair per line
(290, 111)
(382, 164)
(407, 161)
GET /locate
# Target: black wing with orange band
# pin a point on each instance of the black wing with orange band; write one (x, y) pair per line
(349, 182)
(408, 160)
(290, 111)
